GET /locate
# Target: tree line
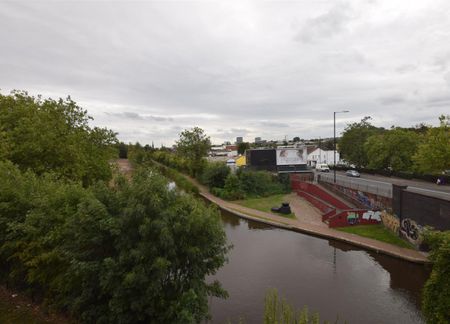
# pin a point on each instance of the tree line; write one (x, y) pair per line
(81, 239)
(421, 149)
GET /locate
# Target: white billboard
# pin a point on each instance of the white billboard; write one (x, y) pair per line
(291, 156)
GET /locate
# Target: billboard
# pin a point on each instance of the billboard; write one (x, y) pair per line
(291, 156)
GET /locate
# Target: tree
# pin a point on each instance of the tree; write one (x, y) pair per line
(128, 252)
(436, 293)
(46, 135)
(296, 139)
(242, 147)
(351, 144)
(194, 144)
(393, 149)
(433, 154)
(123, 150)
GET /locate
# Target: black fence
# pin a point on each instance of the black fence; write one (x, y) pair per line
(423, 209)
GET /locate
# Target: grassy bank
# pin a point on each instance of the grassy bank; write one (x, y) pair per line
(377, 232)
(266, 203)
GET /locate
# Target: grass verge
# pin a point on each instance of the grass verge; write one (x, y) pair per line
(377, 232)
(266, 203)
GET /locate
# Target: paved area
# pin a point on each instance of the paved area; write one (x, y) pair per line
(306, 223)
(313, 228)
(399, 181)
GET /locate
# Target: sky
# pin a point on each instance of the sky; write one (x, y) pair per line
(270, 69)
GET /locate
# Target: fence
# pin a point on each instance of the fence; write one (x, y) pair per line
(378, 188)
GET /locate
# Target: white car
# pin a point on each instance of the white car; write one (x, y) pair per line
(322, 168)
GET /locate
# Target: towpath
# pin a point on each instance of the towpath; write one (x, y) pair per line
(308, 224)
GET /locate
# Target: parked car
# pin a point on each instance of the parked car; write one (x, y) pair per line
(352, 173)
(322, 167)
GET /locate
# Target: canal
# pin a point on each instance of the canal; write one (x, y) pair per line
(332, 278)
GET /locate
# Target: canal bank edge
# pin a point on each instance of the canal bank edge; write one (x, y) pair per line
(366, 243)
(327, 233)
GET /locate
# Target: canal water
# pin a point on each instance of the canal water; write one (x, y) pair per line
(332, 278)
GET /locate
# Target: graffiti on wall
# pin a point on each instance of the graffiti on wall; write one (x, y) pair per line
(368, 200)
(352, 218)
(411, 230)
(372, 215)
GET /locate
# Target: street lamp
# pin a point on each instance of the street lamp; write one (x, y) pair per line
(334, 139)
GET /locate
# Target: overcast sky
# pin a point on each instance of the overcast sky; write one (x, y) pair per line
(148, 69)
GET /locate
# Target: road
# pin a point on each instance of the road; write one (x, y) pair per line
(413, 185)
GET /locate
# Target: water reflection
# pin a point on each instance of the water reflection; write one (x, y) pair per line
(330, 277)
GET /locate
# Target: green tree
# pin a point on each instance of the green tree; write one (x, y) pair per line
(123, 150)
(433, 154)
(392, 149)
(130, 252)
(214, 174)
(194, 144)
(242, 147)
(53, 135)
(351, 144)
(436, 293)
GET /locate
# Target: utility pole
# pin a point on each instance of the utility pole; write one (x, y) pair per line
(334, 139)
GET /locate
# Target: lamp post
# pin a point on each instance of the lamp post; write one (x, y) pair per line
(334, 139)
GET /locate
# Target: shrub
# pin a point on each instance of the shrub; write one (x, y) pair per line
(133, 252)
(215, 174)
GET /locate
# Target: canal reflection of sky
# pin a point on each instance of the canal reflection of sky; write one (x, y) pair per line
(333, 278)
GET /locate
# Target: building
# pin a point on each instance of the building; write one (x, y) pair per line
(239, 139)
(322, 157)
(257, 140)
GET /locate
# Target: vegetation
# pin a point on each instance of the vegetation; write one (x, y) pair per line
(242, 147)
(132, 253)
(433, 154)
(266, 203)
(122, 251)
(436, 293)
(250, 184)
(193, 145)
(46, 135)
(352, 142)
(420, 150)
(392, 149)
(278, 311)
(377, 232)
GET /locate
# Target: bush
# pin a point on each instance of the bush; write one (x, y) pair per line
(215, 174)
(436, 293)
(133, 252)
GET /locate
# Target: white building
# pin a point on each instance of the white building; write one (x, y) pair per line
(322, 156)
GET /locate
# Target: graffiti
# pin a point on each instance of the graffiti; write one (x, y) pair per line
(352, 218)
(411, 230)
(372, 215)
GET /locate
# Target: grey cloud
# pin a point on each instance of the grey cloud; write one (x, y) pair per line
(274, 124)
(136, 116)
(392, 100)
(325, 25)
(156, 68)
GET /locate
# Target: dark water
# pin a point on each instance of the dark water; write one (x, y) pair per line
(332, 278)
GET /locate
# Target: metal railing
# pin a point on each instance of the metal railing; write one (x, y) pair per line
(379, 188)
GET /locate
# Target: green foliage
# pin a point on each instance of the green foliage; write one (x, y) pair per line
(214, 174)
(245, 184)
(47, 135)
(123, 150)
(193, 144)
(392, 149)
(352, 142)
(436, 293)
(134, 252)
(433, 155)
(278, 311)
(242, 147)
